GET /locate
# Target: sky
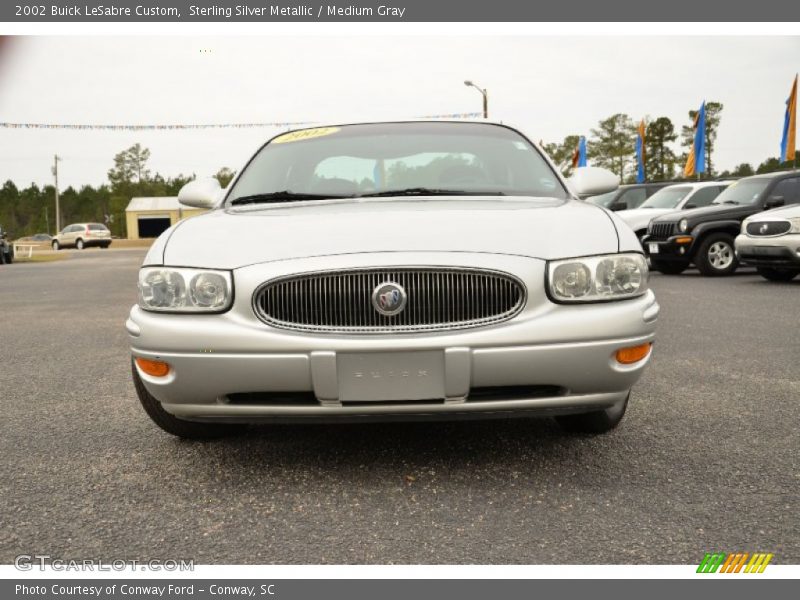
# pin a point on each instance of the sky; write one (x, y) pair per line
(550, 86)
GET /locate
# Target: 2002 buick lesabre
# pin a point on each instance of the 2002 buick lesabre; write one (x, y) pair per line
(393, 270)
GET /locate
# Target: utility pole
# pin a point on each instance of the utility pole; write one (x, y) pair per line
(55, 175)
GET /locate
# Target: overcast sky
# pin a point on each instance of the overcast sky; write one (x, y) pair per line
(550, 86)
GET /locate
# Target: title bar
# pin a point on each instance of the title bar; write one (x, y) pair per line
(399, 11)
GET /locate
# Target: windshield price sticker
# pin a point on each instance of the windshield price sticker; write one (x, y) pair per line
(304, 134)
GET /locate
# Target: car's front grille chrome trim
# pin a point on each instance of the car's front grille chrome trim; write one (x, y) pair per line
(768, 228)
(438, 298)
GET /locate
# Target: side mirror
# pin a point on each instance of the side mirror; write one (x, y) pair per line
(618, 205)
(689, 205)
(774, 202)
(592, 181)
(200, 193)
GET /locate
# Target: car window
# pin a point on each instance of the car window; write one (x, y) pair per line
(354, 160)
(704, 196)
(634, 197)
(604, 199)
(97, 227)
(744, 191)
(668, 197)
(787, 188)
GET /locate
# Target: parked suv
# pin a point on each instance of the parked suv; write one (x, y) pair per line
(626, 197)
(682, 196)
(6, 249)
(705, 236)
(82, 235)
(771, 242)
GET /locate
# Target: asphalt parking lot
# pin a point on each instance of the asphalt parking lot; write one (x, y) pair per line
(708, 457)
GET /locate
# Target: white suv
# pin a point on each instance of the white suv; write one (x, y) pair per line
(82, 235)
(669, 199)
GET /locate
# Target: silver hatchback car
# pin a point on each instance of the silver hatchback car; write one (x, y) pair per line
(394, 270)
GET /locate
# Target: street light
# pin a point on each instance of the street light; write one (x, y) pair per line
(485, 95)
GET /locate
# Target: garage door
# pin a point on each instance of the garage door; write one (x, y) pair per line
(150, 227)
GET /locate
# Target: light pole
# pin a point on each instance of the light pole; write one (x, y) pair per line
(485, 95)
(56, 158)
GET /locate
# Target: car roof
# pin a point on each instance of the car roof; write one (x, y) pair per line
(775, 175)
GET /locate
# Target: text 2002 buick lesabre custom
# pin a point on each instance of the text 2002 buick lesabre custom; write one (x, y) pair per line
(393, 270)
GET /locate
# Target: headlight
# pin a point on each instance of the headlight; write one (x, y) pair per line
(795, 228)
(683, 225)
(597, 278)
(167, 289)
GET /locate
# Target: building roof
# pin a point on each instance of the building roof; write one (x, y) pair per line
(156, 203)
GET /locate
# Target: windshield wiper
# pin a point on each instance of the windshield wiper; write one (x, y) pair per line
(729, 202)
(284, 196)
(423, 191)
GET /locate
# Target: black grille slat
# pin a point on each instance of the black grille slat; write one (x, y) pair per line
(437, 299)
(661, 231)
(768, 228)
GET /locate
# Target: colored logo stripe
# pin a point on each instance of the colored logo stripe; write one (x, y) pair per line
(735, 562)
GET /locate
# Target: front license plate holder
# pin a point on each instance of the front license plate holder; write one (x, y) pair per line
(390, 376)
(652, 248)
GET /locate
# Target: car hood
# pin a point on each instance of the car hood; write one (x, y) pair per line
(715, 211)
(784, 212)
(638, 218)
(537, 227)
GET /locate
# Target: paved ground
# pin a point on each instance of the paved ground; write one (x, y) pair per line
(707, 458)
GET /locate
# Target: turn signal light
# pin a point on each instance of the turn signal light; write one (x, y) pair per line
(628, 356)
(154, 368)
(684, 240)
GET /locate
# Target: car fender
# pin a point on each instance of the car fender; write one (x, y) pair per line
(729, 226)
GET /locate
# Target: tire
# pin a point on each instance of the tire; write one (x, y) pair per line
(56, 245)
(668, 268)
(9, 256)
(79, 244)
(2, 257)
(181, 428)
(105, 246)
(599, 421)
(774, 274)
(716, 256)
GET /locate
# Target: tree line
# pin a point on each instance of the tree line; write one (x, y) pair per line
(612, 145)
(32, 210)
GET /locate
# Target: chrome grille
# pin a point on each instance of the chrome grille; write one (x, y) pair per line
(437, 298)
(768, 228)
(661, 231)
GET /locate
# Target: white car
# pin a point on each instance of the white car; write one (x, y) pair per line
(424, 269)
(681, 196)
(770, 241)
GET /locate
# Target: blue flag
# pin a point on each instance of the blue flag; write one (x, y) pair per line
(700, 140)
(640, 153)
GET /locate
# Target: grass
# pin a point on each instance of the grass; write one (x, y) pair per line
(41, 258)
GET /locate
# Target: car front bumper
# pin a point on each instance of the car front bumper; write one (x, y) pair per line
(550, 358)
(676, 248)
(779, 252)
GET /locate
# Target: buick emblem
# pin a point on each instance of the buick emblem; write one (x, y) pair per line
(389, 298)
(763, 229)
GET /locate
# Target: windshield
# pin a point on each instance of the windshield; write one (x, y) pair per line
(666, 197)
(742, 192)
(404, 158)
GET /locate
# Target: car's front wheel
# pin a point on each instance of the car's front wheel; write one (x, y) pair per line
(179, 427)
(79, 244)
(599, 421)
(716, 256)
(56, 245)
(774, 274)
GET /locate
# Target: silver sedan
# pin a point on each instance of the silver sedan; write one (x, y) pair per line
(399, 270)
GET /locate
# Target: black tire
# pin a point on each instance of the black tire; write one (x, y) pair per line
(2, 257)
(599, 421)
(774, 274)
(720, 245)
(9, 256)
(79, 244)
(189, 430)
(668, 268)
(56, 245)
(105, 246)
